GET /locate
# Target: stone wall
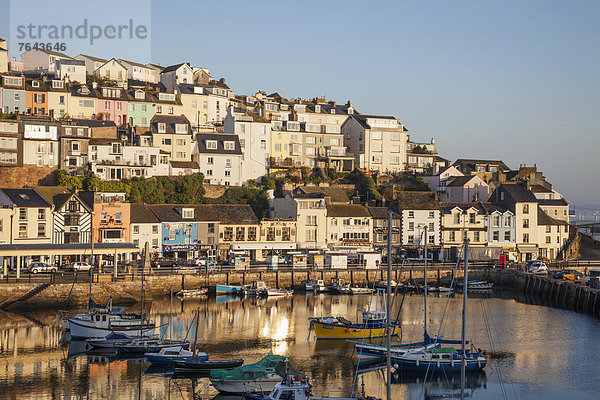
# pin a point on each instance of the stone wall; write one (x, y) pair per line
(17, 177)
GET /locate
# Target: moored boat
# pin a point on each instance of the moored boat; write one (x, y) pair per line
(168, 355)
(142, 346)
(278, 292)
(101, 324)
(260, 377)
(256, 289)
(229, 289)
(192, 293)
(373, 324)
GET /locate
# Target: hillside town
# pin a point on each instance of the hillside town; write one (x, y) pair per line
(327, 172)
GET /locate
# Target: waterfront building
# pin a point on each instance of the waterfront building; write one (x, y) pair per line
(349, 227)
(11, 143)
(523, 204)
(380, 230)
(238, 228)
(110, 218)
(417, 210)
(145, 228)
(310, 212)
(552, 234)
(187, 230)
(254, 133)
(42, 61)
(557, 208)
(74, 145)
(13, 94)
(91, 63)
(501, 229)
(71, 216)
(30, 220)
(277, 236)
(219, 156)
(378, 142)
(36, 97)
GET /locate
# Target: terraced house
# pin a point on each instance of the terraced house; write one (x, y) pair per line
(31, 216)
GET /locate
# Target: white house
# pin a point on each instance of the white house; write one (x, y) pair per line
(220, 158)
(464, 189)
(255, 141)
(419, 210)
(36, 60)
(145, 227)
(71, 71)
(111, 159)
(349, 226)
(310, 212)
(139, 72)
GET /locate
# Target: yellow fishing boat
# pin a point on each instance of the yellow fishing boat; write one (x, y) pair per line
(372, 325)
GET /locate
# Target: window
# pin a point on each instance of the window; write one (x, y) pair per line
(525, 223)
(209, 172)
(285, 234)
(310, 151)
(525, 208)
(227, 173)
(311, 220)
(211, 144)
(457, 218)
(210, 160)
(411, 214)
(476, 236)
(41, 214)
(263, 145)
(136, 243)
(311, 140)
(411, 226)
(251, 233)
(376, 135)
(119, 105)
(229, 145)
(104, 217)
(22, 214)
(41, 230)
(181, 154)
(240, 233)
(526, 238)
(171, 110)
(496, 236)
(116, 148)
(472, 218)
(228, 163)
(136, 229)
(431, 239)
(311, 235)
(548, 229)
(154, 229)
(548, 239)
(159, 109)
(270, 234)
(431, 226)
(154, 242)
(107, 105)
(431, 214)
(452, 236)
(496, 220)
(22, 230)
(172, 234)
(507, 221)
(179, 142)
(507, 236)
(118, 219)
(165, 142)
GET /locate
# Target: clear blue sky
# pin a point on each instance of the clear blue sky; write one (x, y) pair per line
(512, 80)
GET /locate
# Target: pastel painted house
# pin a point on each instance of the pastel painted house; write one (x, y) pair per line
(36, 96)
(71, 71)
(139, 72)
(58, 98)
(83, 102)
(141, 109)
(112, 104)
(42, 61)
(13, 94)
(114, 71)
(111, 216)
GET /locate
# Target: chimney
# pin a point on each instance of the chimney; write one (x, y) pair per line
(222, 80)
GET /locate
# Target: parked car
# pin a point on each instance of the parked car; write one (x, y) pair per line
(567, 274)
(163, 262)
(38, 267)
(80, 266)
(536, 267)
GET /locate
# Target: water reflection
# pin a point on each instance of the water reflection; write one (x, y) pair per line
(535, 351)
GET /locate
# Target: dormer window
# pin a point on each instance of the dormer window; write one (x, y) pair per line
(140, 95)
(35, 84)
(181, 128)
(211, 144)
(229, 145)
(162, 127)
(187, 213)
(350, 110)
(317, 108)
(58, 84)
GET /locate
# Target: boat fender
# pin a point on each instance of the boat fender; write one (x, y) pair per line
(452, 363)
(396, 366)
(348, 330)
(417, 363)
(438, 364)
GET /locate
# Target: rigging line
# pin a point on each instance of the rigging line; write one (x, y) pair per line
(489, 333)
(442, 320)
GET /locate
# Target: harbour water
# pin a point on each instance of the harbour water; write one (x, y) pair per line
(535, 351)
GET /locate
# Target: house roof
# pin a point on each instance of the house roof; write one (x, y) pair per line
(169, 213)
(170, 121)
(257, 118)
(172, 68)
(75, 91)
(97, 59)
(184, 164)
(518, 193)
(491, 207)
(539, 189)
(71, 62)
(461, 181)
(54, 53)
(26, 198)
(347, 210)
(447, 207)
(142, 214)
(545, 219)
(336, 194)
(472, 162)
(409, 200)
(382, 213)
(553, 202)
(95, 123)
(57, 195)
(201, 139)
(133, 63)
(232, 214)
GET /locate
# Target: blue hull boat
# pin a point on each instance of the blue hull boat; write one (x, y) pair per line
(228, 289)
(142, 347)
(446, 359)
(170, 355)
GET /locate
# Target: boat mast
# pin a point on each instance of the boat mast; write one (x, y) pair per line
(92, 268)
(196, 333)
(146, 260)
(425, 286)
(171, 317)
(388, 304)
(464, 324)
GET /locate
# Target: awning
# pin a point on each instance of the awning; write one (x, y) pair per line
(263, 246)
(527, 248)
